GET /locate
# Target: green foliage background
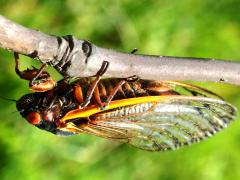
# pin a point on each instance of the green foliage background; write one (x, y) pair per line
(193, 28)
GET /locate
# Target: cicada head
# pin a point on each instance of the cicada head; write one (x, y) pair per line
(33, 108)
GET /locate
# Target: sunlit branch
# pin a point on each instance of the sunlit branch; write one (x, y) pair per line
(79, 58)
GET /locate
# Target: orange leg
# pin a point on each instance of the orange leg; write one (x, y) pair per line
(94, 84)
(93, 89)
(39, 73)
(103, 105)
(45, 82)
(30, 74)
(78, 94)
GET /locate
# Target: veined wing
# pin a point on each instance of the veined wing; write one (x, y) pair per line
(175, 87)
(166, 124)
(192, 89)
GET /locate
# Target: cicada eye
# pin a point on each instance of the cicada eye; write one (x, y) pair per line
(33, 118)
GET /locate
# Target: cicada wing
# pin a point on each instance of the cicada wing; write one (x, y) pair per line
(112, 132)
(94, 129)
(179, 88)
(168, 124)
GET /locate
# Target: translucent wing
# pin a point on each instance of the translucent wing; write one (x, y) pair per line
(155, 87)
(166, 124)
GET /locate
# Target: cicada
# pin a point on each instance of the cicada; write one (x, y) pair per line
(150, 115)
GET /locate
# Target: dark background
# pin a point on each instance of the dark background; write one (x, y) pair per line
(188, 28)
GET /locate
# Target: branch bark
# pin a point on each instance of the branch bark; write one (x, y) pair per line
(79, 58)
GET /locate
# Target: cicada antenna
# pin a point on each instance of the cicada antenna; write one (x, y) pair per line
(8, 99)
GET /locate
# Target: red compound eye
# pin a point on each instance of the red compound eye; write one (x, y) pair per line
(33, 118)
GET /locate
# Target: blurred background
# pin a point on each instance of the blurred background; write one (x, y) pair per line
(188, 28)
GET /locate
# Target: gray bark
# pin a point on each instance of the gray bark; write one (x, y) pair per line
(68, 55)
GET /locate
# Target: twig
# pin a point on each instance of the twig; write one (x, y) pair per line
(80, 58)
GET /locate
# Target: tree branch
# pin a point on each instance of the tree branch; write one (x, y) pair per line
(79, 58)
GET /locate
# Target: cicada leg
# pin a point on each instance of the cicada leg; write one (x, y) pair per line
(94, 84)
(39, 80)
(103, 105)
(38, 74)
(134, 50)
(94, 90)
